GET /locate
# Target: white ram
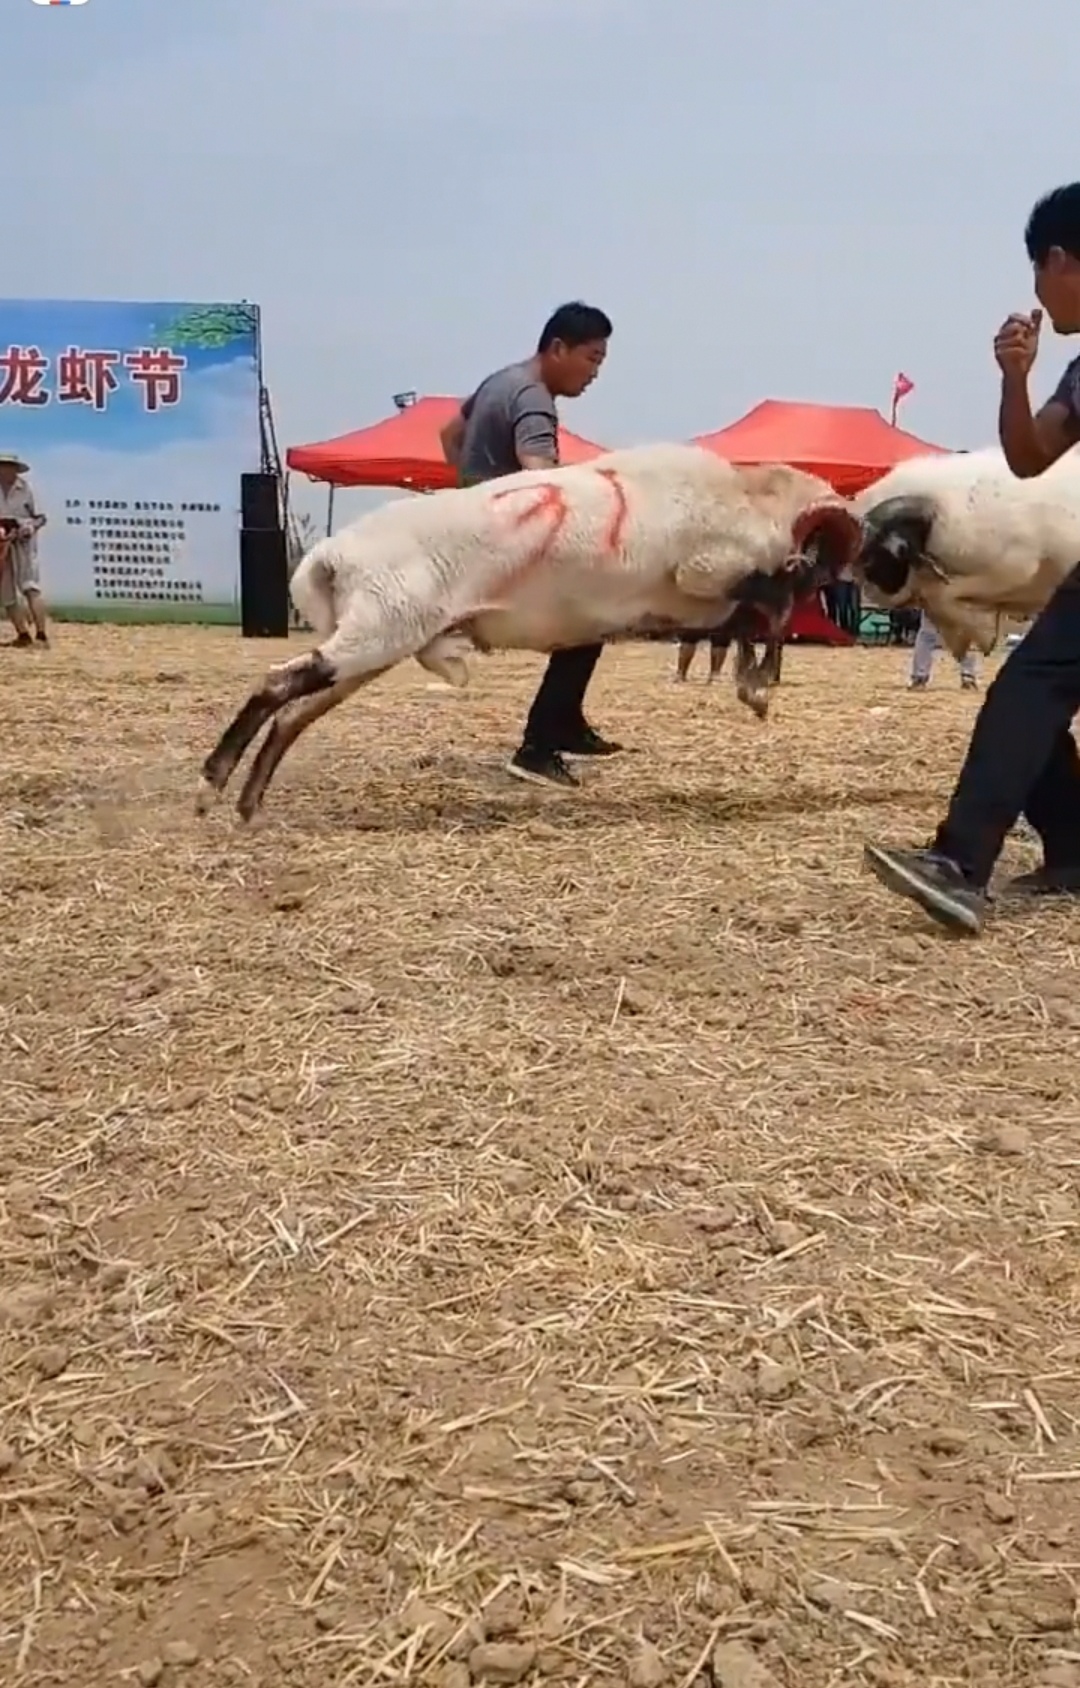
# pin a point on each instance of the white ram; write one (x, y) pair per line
(658, 538)
(963, 539)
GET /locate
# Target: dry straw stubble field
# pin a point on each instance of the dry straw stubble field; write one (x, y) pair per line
(454, 1233)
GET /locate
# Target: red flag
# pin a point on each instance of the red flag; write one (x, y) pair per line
(902, 386)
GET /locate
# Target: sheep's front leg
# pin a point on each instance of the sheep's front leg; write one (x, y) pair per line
(447, 656)
(751, 678)
(983, 631)
(712, 574)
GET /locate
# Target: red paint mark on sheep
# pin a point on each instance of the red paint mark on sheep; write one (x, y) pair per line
(548, 502)
(616, 528)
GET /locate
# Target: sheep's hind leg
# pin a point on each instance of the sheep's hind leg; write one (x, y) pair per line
(301, 678)
(371, 638)
(283, 732)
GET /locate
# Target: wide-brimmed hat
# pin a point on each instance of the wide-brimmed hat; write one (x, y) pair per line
(12, 460)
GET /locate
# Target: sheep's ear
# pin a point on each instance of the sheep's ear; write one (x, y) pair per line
(828, 521)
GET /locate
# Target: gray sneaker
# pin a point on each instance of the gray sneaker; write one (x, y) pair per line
(932, 881)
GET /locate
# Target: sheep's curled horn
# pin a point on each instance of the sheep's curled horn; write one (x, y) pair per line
(827, 521)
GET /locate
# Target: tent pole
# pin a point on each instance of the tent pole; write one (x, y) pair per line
(330, 511)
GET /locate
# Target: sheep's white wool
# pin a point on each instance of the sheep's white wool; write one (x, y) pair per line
(1003, 544)
(657, 535)
(657, 539)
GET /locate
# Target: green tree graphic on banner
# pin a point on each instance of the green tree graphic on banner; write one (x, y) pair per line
(209, 326)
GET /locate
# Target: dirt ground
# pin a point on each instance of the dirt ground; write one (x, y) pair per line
(450, 1231)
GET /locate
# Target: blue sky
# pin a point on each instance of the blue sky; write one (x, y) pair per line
(771, 200)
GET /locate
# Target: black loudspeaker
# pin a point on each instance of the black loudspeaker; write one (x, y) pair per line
(264, 584)
(260, 506)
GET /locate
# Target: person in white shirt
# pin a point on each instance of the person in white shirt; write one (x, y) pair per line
(20, 581)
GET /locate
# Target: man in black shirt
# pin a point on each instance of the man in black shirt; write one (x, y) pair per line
(1022, 759)
(510, 423)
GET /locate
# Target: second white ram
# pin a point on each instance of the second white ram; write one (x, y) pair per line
(962, 538)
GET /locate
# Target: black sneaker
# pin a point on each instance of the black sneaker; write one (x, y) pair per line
(42, 638)
(541, 767)
(22, 642)
(588, 742)
(1046, 882)
(917, 685)
(932, 881)
(968, 683)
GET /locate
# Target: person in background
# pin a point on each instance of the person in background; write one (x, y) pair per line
(1022, 759)
(19, 579)
(719, 644)
(511, 423)
(927, 644)
(843, 604)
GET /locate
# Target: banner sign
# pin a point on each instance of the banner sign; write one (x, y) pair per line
(137, 422)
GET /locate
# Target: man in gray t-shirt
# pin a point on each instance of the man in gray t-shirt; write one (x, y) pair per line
(510, 423)
(1022, 759)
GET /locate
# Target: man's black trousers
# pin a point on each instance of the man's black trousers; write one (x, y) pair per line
(1022, 759)
(557, 718)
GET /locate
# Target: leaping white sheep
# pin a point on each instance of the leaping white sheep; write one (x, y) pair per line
(965, 540)
(658, 538)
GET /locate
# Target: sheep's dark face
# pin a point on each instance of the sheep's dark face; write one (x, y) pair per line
(893, 546)
(824, 542)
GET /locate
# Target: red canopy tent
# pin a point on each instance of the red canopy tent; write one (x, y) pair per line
(850, 446)
(403, 451)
